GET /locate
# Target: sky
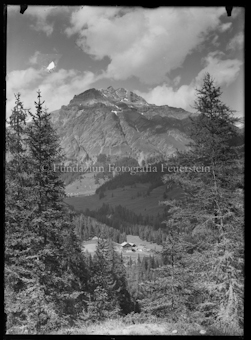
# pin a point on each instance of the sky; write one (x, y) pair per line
(161, 54)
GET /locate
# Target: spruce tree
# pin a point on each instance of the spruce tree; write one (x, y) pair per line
(58, 249)
(210, 213)
(110, 296)
(19, 236)
(102, 302)
(43, 257)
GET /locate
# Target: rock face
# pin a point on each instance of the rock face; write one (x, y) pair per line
(119, 123)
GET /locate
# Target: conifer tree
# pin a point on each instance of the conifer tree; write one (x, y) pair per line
(57, 246)
(209, 212)
(102, 302)
(108, 280)
(18, 207)
(166, 295)
(43, 257)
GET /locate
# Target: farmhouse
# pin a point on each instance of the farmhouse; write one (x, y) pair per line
(128, 245)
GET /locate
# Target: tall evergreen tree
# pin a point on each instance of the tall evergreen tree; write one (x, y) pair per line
(43, 256)
(19, 236)
(102, 302)
(109, 281)
(57, 248)
(209, 211)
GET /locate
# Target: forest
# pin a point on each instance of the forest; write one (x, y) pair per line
(50, 285)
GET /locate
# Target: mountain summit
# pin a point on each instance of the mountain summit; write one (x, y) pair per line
(110, 95)
(119, 123)
(122, 95)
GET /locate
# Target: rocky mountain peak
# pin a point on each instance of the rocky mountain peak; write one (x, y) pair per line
(110, 89)
(119, 123)
(89, 97)
(123, 95)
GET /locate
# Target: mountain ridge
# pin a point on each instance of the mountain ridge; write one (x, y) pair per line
(119, 123)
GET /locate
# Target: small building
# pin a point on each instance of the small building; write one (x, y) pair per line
(125, 245)
(95, 238)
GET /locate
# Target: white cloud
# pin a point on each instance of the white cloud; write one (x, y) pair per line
(57, 88)
(225, 26)
(223, 72)
(144, 43)
(236, 42)
(23, 79)
(167, 95)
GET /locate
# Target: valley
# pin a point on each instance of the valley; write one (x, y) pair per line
(132, 198)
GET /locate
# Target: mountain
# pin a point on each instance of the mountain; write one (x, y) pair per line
(119, 123)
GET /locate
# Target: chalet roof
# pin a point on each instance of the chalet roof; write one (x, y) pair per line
(128, 244)
(95, 238)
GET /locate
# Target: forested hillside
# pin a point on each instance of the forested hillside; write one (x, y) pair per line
(52, 286)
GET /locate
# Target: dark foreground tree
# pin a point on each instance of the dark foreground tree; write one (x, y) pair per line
(51, 271)
(18, 207)
(109, 294)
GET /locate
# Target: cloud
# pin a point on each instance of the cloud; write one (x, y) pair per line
(57, 88)
(224, 27)
(43, 60)
(41, 15)
(42, 26)
(223, 72)
(23, 79)
(215, 40)
(236, 42)
(144, 43)
(34, 59)
(176, 80)
(166, 95)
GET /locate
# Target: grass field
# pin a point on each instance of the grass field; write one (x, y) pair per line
(137, 240)
(84, 186)
(129, 198)
(148, 248)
